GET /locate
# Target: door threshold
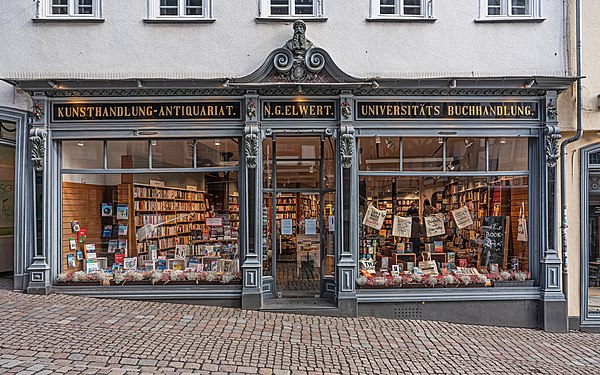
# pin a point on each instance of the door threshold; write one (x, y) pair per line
(296, 304)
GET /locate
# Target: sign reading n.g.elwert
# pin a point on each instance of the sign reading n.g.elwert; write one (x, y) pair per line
(368, 110)
(272, 110)
(230, 110)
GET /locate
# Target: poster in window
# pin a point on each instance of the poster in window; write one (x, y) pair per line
(402, 226)
(494, 241)
(310, 226)
(434, 225)
(462, 217)
(286, 226)
(374, 218)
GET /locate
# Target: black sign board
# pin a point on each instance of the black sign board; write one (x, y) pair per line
(71, 112)
(494, 241)
(325, 110)
(448, 110)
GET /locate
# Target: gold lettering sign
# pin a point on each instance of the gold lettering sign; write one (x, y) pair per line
(299, 110)
(230, 110)
(448, 110)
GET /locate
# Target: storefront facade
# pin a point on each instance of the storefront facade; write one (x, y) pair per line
(299, 180)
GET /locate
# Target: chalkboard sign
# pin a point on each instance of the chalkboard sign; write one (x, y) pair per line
(494, 241)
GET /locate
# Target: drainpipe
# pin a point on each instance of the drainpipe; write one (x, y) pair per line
(563, 153)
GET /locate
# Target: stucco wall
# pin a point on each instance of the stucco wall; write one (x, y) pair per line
(9, 98)
(235, 45)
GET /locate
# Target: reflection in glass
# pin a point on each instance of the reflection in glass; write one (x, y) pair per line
(172, 153)
(379, 153)
(217, 152)
(465, 154)
(508, 154)
(423, 154)
(127, 154)
(83, 154)
(593, 267)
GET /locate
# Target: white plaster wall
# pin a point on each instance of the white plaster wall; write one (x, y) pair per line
(235, 45)
(9, 98)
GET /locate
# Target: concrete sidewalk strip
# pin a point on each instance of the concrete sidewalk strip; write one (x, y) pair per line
(138, 337)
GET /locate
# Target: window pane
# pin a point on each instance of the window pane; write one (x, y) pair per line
(508, 154)
(521, 7)
(304, 7)
(465, 154)
(423, 154)
(60, 7)
(387, 7)
(112, 209)
(593, 238)
(8, 130)
(298, 162)
(491, 241)
(280, 7)
(494, 7)
(127, 154)
(83, 154)
(412, 7)
(193, 8)
(84, 7)
(379, 153)
(7, 200)
(169, 7)
(172, 153)
(217, 152)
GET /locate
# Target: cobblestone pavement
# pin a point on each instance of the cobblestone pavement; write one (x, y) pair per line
(75, 335)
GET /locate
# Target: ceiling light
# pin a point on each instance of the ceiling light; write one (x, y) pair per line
(374, 84)
(377, 139)
(468, 143)
(311, 169)
(450, 166)
(80, 143)
(389, 143)
(153, 142)
(503, 140)
(217, 142)
(440, 140)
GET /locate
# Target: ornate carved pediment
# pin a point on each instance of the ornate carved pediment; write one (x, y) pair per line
(298, 61)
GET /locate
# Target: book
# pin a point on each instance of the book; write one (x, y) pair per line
(75, 227)
(181, 251)
(451, 256)
(79, 255)
(122, 229)
(107, 231)
(70, 260)
(81, 235)
(112, 246)
(107, 209)
(90, 251)
(149, 265)
(161, 263)
(153, 252)
(119, 258)
(400, 248)
(130, 263)
(408, 248)
(122, 211)
(122, 245)
(438, 246)
(72, 244)
(91, 266)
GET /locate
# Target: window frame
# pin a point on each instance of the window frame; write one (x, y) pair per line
(154, 11)
(264, 11)
(44, 10)
(426, 10)
(506, 9)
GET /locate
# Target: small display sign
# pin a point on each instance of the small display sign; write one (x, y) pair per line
(325, 110)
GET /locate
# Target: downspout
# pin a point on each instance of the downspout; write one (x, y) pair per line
(563, 152)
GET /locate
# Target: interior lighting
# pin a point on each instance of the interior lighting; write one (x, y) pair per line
(53, 84)
(389, 143)
(377, 139)
(528, 84)
(503, 140)
(80, 143)
(468, 143)
(440, 140)
(217, 142)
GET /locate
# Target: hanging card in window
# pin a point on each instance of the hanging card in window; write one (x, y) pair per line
(374, 218)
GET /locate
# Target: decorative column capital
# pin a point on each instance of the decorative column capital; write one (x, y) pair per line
(37, 137)
(552, 133)
(347, 145)
(251, 139)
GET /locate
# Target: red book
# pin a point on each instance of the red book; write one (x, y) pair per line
(120, 258)
(81, 235)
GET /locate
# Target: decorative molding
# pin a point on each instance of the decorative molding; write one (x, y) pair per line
(445, 92)
(145, 92)
(552, 151)
(38, 110)
(251, 109)
(346, 110)
(551, 110)
(347, 145)
(37, 137)
(251, 146)
(306, 91)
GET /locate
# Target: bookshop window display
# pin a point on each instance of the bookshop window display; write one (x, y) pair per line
(443, 211)
(156, 226)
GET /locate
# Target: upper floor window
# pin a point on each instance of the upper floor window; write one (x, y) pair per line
(179, 9)
(292, 8)
(509, 9)
(401, 8)
(69, 9)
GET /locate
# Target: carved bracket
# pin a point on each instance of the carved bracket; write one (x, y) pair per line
(552, 151)
(346, 110)
(37, 137)
(251, 146)
(347, 145)
(38, 110)
(298, 61)
(551, 110)
(251, 109)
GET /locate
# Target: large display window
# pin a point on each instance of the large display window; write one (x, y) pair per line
(453, 213)
(174, 221)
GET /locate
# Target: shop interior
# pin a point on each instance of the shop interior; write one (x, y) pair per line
(7, 197)
(156, 220)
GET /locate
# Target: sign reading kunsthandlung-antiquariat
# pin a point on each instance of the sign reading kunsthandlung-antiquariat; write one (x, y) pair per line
(72, 112)
(447, 110)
